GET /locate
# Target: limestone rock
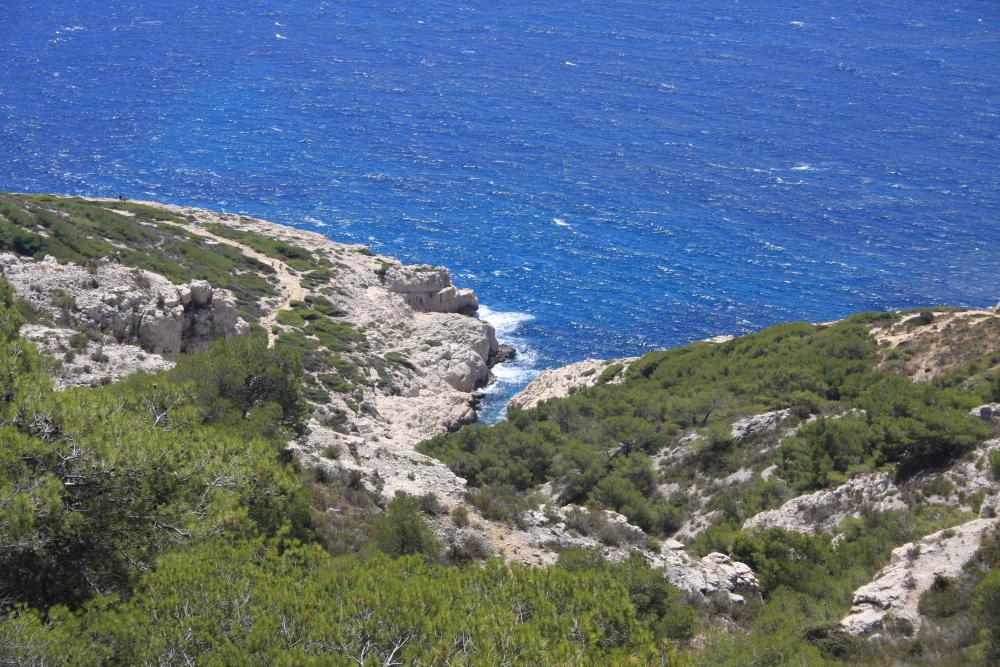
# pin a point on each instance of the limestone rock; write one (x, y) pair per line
(558, 382)
(90, 363)
(711, 574)
(823, 511)
(988, 412)
(503, 353)
(131, 306)
(895, 592)
(744, 429)
(429, 289)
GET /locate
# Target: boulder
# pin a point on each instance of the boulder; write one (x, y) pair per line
(201, 293)
(989, 412)
(503, 353)
(709, 575)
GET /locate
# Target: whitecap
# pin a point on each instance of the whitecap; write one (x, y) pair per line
(797, 24)
(803, 166)
(560, 222)
(278, 35)
(505, 322)
(570, 64)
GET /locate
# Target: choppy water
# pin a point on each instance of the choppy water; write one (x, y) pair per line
(609, 176)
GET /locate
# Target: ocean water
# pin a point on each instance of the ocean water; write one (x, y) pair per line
(610, 177)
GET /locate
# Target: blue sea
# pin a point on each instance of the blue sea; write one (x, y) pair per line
(610, 177)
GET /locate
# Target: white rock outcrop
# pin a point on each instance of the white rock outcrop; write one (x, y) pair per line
(130, 305)
(90, 363)
(744, 429)
(429, 289)
(559, 382)
(989, 412)
(709, 575)
(823, 511)
(895, 592)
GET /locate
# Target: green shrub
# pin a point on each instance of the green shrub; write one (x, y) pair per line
(402, 531)
(994, 460)
(460, 516)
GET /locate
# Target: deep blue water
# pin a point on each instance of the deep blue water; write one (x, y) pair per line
(630, 175)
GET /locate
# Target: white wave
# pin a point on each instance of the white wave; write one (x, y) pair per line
(803, 166)
(560, 222)
(569, 64)
(505, 323)
(278, 35)
(513, 375)
(509, 382)
(797, 24)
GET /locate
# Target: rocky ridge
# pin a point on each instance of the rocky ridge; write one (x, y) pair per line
(126, 319)
(967, 485)
(564, 380)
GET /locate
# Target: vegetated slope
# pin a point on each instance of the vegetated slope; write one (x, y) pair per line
(160, 519)
(681, 447)
(242, 507)
(188, 515)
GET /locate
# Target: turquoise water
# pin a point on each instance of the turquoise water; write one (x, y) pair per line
(609, 177)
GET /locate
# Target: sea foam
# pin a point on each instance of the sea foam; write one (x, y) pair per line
(512, 375)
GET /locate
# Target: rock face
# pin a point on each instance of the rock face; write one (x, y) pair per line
(744, 429)
(896, 590)
(823, 511)
(559, 382)
(130, 305)
(711, 574)
(429, 289)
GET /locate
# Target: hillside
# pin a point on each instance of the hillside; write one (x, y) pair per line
(231, 442)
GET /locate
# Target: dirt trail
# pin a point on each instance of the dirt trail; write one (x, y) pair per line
(290, 284)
